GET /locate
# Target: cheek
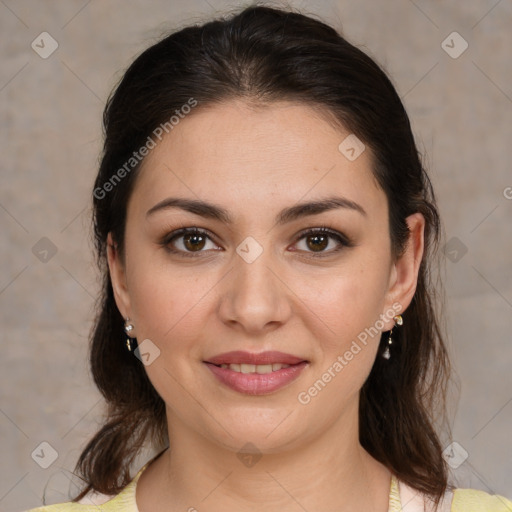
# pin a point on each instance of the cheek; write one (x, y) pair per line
(350, 306)
(347, 301)
(162, 295)
(168, 309)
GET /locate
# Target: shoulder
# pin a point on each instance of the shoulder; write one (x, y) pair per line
(472, 500)
(106, 506)
(93, 502)
(116, 504)
(454, 500)
(65, 507)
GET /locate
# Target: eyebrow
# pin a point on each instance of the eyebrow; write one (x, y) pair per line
(212, 211)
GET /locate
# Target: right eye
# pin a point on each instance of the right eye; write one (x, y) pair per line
(191, 240)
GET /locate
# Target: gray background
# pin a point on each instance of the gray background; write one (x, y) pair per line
(461, 110)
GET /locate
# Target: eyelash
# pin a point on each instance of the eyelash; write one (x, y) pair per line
(343, 240)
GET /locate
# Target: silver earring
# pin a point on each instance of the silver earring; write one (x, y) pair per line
(131, 343)
(398, 321)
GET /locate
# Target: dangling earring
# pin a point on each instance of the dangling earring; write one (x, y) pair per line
(131, 343)
(398, 321)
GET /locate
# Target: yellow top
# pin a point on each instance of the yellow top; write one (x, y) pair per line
(464, 500)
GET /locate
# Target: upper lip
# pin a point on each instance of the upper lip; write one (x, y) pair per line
(242, 357)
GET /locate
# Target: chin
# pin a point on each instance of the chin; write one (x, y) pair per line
(269, 434)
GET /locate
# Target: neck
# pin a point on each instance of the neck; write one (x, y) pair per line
(331, 472)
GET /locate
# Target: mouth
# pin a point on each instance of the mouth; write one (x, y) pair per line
(256, 374)
(260, 369)
(243, 358)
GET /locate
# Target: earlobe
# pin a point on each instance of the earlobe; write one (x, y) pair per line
(118, 277)
(406, 269)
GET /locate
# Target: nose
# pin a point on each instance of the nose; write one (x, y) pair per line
(255, 299)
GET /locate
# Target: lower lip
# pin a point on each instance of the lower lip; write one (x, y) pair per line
(257, 383)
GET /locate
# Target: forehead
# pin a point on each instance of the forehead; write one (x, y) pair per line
(246, 156)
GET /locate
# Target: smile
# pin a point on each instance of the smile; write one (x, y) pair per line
(254, 368)
(251, 379)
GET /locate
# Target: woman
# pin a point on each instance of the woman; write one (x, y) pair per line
(265, 230)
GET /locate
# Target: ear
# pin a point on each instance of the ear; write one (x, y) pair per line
(118, 278)
(404, 274)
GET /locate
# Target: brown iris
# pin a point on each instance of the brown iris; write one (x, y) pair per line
(320, 242)
(194, 241)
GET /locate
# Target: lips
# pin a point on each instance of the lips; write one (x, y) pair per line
(256, 374)
(242, 357)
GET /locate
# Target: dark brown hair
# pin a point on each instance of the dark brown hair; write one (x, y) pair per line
(262, 55)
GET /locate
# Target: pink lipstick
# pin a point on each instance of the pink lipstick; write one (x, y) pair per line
(256, 373)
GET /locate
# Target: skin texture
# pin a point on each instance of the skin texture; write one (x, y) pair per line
(254, 162)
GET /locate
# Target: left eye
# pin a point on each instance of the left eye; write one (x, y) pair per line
(317, 240)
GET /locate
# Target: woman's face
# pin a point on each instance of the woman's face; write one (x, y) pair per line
(255, 283)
